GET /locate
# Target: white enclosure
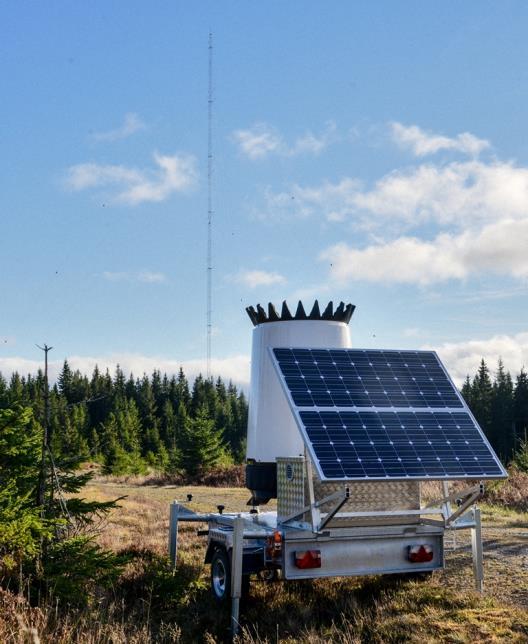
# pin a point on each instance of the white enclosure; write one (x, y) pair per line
(272, 430)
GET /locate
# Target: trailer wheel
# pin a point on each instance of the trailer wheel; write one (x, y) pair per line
(221, 577)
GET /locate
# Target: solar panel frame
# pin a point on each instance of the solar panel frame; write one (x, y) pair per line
(371, 465)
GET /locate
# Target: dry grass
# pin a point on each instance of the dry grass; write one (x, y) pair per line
(151, 605)
(230, 476)
(508, 494)
(512, 493)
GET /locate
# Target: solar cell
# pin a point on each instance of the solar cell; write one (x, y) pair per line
(366, 378)
(367, 414)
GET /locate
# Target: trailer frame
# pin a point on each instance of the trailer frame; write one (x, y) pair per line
(252, 537)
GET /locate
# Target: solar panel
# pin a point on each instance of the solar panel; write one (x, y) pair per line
(372, 414)
(353, 378)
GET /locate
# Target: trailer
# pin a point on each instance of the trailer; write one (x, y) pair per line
(346, 463)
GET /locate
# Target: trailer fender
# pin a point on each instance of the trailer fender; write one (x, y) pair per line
(210, 551)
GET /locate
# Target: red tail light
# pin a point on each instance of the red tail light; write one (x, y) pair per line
(420, 554)
(308, 559)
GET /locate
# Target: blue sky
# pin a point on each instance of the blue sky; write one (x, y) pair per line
(369, 152)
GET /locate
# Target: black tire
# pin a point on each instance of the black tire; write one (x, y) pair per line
(221, 577)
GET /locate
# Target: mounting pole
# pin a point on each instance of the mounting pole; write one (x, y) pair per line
(45, 434)
(237, 557)
(209, 204)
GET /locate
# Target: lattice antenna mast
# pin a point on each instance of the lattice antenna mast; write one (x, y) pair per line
(209, 205)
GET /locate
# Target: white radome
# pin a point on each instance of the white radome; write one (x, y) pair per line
(272, 431)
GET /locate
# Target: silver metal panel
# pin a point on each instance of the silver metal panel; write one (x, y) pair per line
(370, 532)
(375, 495)
(221, 535)
(370, 496)
(290, 487)
(365, 496)
(363, 556)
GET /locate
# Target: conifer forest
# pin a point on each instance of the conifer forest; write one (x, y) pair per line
(132, 425)
(163, 423)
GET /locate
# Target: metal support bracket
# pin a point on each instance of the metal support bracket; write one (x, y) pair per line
(470, 500)
(236, 572)
(476, 549)
(454, 496)
(338, 495)
(314, 511)
(336, 509)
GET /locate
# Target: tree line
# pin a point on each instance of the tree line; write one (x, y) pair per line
(501, 408)
(131, 424)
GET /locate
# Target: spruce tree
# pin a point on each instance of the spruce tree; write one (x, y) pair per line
(47, 545)
(64, 381)
(466, 392)
(199, 395)
(21, 526)
(168, 425)
(148, 413)
(179, 391)
(3, 391)
(119, 388)
(482, 394)
(202, 444)
(520, 405)
(502, 414)
(117, 460)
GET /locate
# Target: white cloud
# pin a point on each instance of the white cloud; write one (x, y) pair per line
(471, 217)
(262, 140)
(456, 193)
(258, 141)
(463, 358)
(253, 279)
(423, 143)
(235, 368)
(148, 277)
(175, 173)
(499, 248)
(151, 277)
(131, 125)
(312, 143)
(334, 201)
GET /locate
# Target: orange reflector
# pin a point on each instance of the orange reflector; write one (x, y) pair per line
(308, 559)
(274, 545)
(420, 554)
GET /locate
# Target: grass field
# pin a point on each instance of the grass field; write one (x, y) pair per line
(150, 604)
